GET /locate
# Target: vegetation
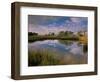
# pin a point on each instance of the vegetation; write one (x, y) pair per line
(66, 42)
(32, 34)
(62, 35)
(35, 38)
(45, 57)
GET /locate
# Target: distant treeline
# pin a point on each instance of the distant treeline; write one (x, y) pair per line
(63, 35)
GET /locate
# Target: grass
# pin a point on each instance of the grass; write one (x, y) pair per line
(37, 58)
(83, 39)
(45, 57)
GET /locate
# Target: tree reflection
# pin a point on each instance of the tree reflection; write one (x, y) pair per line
(66, 42)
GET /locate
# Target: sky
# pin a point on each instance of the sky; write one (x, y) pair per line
(46, 24)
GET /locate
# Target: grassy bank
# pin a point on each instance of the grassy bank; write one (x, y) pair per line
(36, 38)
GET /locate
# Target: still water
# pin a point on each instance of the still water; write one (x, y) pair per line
(73, 51)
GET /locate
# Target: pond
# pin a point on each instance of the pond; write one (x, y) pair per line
(64, 51)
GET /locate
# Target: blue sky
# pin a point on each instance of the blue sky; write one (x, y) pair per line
(45, 24)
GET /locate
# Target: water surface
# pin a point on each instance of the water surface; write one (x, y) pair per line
(71, 52)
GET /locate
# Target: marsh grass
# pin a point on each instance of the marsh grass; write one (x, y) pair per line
(45, 57)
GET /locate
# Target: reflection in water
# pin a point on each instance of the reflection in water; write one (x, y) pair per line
(66, 42)
(70, 52)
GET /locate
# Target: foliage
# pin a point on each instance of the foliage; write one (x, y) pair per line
(45, 57)
(37, 58)
(32, 34)
(62, 35)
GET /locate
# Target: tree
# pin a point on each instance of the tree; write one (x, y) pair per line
(51, 34)
(66, 32)
(32, 34)
(80, 33)
(35, 33)
(61, 33)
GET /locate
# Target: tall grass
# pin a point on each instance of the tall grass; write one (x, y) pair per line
(45, 57)
(37, 58)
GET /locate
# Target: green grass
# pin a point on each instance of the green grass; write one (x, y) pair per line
(46, 57)
(37, 58)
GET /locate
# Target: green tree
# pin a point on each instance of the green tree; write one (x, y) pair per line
(32, 34)
(61, 33)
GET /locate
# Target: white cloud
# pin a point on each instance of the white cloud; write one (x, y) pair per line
(74, 19)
